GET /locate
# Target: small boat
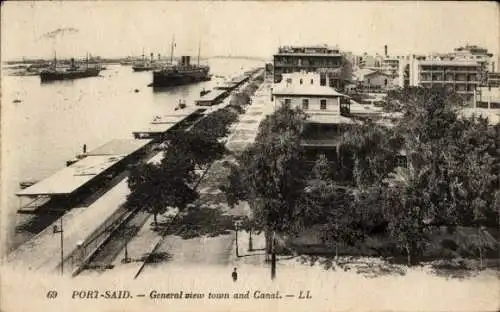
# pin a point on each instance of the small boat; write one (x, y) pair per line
(181, 105)
(25, 184)
(203, 92)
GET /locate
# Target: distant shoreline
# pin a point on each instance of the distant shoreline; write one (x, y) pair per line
(121, 59)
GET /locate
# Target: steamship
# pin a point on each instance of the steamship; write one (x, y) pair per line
(180, 74)
(74, 71)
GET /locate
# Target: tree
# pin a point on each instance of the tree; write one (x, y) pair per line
(452, 173)
(373, 149)
(216, 125)
(154, 188)
(200, 147)
(270, 174)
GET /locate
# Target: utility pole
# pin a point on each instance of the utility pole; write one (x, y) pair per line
(236, 234)
(126, 258)
(250, 243)
(61, 232)
(273, 256)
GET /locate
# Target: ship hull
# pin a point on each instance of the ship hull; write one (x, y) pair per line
(52, 76)
(161, 79)
(141, 69)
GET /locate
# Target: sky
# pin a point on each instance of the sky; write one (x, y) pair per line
(114, 28)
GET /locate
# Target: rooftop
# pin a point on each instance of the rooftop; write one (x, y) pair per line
(493, 118)
(307, 89)
(69, 179)
(326, 118)
(119, 147)
(156, 128)
(212, 95)
(174, 116)
(449, 63)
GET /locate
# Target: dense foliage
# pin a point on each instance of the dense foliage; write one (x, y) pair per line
(451, 176)
(173, 182)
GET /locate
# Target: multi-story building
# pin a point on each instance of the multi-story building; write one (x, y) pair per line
(330, 62)
(488, 97)
(327, 110)
(390, 66)
(493, 79)
(460, 76)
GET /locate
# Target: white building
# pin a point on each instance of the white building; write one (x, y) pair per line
(306, 91)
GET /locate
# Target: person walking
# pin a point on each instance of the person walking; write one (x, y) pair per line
(234, 275)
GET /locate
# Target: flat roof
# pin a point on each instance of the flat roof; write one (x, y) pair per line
(156, 128)
(307, 89)
(213, 95)
(119, 147)
(329, 119)
(307, 54)
(449, 63)
(166, 119)
(492, 115)
(69, 179)
(330, 142)
(174, 116)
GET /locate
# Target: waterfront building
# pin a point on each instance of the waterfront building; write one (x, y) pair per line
(333, 65)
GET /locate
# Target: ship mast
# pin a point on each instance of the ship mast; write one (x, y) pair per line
(199, 44)
(172, 50)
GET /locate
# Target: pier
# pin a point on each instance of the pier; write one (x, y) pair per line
(87, 196)
(211, 98)
(161, 126)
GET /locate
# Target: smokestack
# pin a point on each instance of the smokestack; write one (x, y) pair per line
(385, 50)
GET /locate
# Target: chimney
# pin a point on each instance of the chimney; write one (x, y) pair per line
(385, 50)
(159, 56)
(151, 57)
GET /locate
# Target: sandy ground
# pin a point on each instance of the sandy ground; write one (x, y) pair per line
(331, 290)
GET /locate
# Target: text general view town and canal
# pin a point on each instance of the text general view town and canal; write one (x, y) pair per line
(290, 154)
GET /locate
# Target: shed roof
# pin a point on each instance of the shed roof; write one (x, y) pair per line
(307, 89)
(119, 147)
(69, 179)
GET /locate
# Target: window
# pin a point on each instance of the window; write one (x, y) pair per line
(305, 104)
(288, 102)
(312, 81)
(301, 81)
(322, 104)
(401, 161)
(385, 82)
(322, 80)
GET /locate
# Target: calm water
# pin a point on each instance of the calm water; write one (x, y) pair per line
(54, 120)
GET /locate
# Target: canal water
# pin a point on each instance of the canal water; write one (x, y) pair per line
(43, 125)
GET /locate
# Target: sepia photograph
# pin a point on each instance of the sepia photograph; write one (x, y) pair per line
(250, 156)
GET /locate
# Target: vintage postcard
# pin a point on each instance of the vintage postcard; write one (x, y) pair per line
(250, 156)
